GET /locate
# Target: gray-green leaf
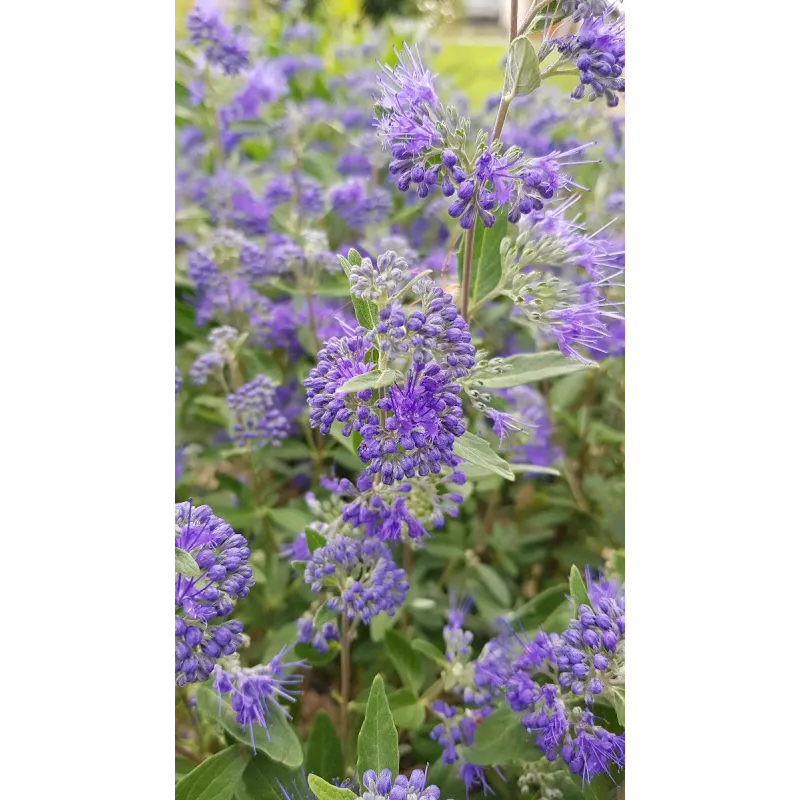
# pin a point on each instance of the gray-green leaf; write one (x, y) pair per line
(522, 68)
(500, 739)
(531, 367)
(494, 583)
(429, 650)
(282, 744)
(477, 451)
(185, 565)
(618, 699)
(377, 739)
(324, 791)
(371, 380)
(314, 540)
(216, 778)
(577, 589)
(405, 659)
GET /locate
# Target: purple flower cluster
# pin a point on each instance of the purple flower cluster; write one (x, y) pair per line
(580, 664)
(255, 692)
(360, 576)
(223, 46)
(178, 382)
(258, 418)
(427, 150)
(212, 362)
(197, 648)
(359, 204)
(222, 556)
(380, 787)
(225, 576)
(598, 50)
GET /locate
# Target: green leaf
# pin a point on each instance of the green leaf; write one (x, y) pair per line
(345, 265)
(314, 540)
(324, 754)
(216, 778)
(429, 650)
(185, 564)
(408, 710)
(477, 451)
(522, 68)
(370, 380)
(541, 606)
(494, 583)
(366, 312)
(476, 473)
(405, 659)
(282, 744)
(292, 519)
(379, 625)
(500, 739)
(487, 268)
(577, 589)
(618, 701)
(262, 776)
(324, 791)
(531, 367)
(377, 739)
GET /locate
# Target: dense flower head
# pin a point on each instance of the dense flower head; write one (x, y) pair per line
(427, 142)
(586, 661)
(258, 416)
(222, 45)
(381, 787)
(359, 204)
(255, 692)
(222, 557)
(598, 51)
(359, 575)
(198, 647)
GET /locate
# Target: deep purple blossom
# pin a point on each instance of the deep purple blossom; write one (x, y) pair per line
(532, 444)
(222, 556)
(198, 647)
(598, 51)
(359, 576)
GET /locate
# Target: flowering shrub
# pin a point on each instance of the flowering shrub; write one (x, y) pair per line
(399, 385)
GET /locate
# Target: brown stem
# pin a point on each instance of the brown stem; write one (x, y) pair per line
(512, 31)
(345, 669)
(469, 245)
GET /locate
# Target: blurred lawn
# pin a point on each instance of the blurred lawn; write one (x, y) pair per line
(470, 55)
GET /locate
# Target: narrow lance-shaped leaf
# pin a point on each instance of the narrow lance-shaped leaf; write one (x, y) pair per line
(377, 739)
(478, 451)
(375, 379)
(531, 367)
(577, 589)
